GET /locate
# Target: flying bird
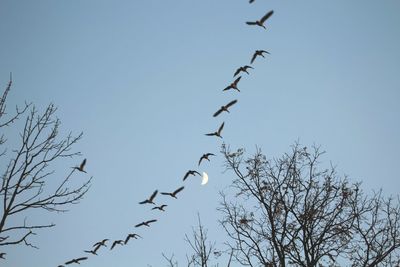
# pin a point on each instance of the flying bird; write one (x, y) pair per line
(173, 194)
(160, 207)
(190, 172)
(2, 254)
(76, 260)
(225, 108)
(242, 69)
(117, 242)
(258, 53)
(262, 20)
(146, 223)
(233, 85)
(135, 236)
(217, 133)
(205, 156)
(101, 243)
(80, 168)
(150, 199)
(94, 251)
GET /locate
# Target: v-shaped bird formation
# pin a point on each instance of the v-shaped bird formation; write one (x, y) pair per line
(233, 86)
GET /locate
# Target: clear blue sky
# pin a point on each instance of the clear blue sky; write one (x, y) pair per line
(142, 79)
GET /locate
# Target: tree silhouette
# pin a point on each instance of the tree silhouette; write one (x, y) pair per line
(292, 212)
(27, 180)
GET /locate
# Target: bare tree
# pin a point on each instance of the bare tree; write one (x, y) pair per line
(28, 181)
(292, 212)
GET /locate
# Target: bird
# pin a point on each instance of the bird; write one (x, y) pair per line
(205, 156)
(101, 243)
(117, 242)
(190, 172)
(80, 168)
(94, 251)
(135, 236)
(217, 133)
(146, 223)
(251, 1)
(244, 69)
(160, 207)
(150, 199)
(233, 85)
(76, 260)
(2, 254)
(225, 108)
(258, 53)
(262, 20)
(173, 194)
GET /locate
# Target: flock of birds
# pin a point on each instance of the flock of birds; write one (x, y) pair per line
(151, 199)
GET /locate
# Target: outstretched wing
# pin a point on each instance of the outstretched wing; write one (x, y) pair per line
(237, 72)
(227, 88)
(165, 193)
(82, 259)
(151, 221)
(69, 262)
(138, 225)
(82, 164)
(231, 103)
(253, 58)
(153, 196)
(186, 175)
(178, 190)
(237, 80)
(221, 127)
(251, 23)
(269, 14)
(218, 112)
(210, 134)
(200, 160)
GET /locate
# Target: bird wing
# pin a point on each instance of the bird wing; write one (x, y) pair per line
(210, 134)
(251, 23)
(218, 112)
(82, 164)
(227, 88)
(269, 14)
(251, 1)
(253, 58)
(151, 221)
(210, 154)
(69, 262)
(165, 193)
(221, 127)
(153, 196)
(163, 206)
(178, 190)
(263, 51)
(231, 103)
(144, 201)
(200, 160)
(237, 72)
(197, 172)
(154, 208)
(186, 176)
(82, 259)
(140, 224)
(237, 80)
(248, 67)
(127, 238)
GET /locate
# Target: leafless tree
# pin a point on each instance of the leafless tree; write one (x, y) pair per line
(28, 181)
(292, 212)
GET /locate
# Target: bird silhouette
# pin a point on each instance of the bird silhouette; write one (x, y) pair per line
(146, 223)
(80, 168)
(251, 1)
(242, 69)
(262, 20)
(135, 236)
(205, 156)
(190, 172)
(160, 207)
(173, 194)
(76, 260)
(150, 199)
(217, 133)
(101, 243)
(225, 108)
(233, 85)
(93, 251)
(117, 242)
(258, 53)
(2, 254)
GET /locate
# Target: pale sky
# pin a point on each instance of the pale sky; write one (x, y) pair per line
(142, 79)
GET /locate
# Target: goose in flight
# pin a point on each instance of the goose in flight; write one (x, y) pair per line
(205, 156)
(161, 208)
(217, 133)
(150, 199)
(76, 260)
(93, 251)
(258, 53)
(146, 223)
(135, 236)
(80, 168)
(117, 242)
(101, 243)
(262, 20)
(173, 194)
(242, 69)
(225, 108)
(233, 85)
(190, 172)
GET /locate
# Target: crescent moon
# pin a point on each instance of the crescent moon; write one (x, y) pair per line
(205, 178)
